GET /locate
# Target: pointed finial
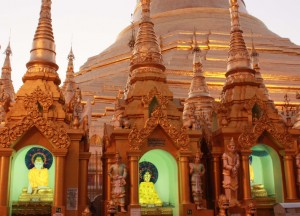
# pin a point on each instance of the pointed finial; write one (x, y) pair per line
(132, 39)
(42, 54)
(145, 9)
(254, 55)
(238, 56)
(194, 42)
(146, 50)
(8, 51)
(198, 86)
(234, 13)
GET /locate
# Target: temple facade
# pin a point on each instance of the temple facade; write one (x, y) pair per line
(191, 127)
(44, 149)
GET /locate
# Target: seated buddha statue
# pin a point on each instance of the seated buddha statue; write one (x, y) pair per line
(38, 189)
(147, 193)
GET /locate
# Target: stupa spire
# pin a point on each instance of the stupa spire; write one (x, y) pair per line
(6, 74)
(6, 69)
(238, 56)
(254, 58)
(146, 51)
(42, 55)
(69, 83)
(198, 86)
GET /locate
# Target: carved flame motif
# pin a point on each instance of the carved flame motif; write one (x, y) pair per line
(178, 135)
(55, 133)
(249, 137)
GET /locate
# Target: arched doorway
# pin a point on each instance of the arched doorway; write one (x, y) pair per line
(19, 172)
(167, 180)
(266, 173)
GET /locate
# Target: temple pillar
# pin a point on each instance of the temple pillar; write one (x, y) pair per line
(83, 180)
(133, 158)
(246, 175)
(59, 190)
(216, 175)
(290, 181)
(184, 178)
(5, 155)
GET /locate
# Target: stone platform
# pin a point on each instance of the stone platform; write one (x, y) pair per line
(31, 208)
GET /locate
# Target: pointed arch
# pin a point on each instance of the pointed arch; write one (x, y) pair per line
(178, 135)
(56, 134)
(250, 135)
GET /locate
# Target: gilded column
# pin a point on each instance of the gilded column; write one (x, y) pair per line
(184, 180)
(58, 201)
(83, 183)
(4, 178)
(216, 173)
(246, 176)
(290, 181)
(133, 158)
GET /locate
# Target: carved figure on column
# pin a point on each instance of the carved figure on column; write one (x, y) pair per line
(231, 164)
(298, 170)
(197, 170)
(223, 205)
(118, 173)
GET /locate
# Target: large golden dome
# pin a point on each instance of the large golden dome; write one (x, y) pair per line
(175, 20)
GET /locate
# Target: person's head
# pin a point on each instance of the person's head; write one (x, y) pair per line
(39, 162)
(231, 146)
(117, 158)
(147, 176)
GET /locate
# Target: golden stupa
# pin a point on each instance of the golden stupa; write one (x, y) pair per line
(105, 74)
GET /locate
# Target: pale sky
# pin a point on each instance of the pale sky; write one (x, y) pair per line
(93, 25)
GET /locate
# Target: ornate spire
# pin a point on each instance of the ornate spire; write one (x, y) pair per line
(146, 51)
(254, 57)
(6, 75)
(198, 86)
(69, 83)
(6, 69)
(238, 56)
(132, 39)
(42, 55)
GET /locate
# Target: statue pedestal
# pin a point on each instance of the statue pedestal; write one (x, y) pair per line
(31, 208)
(42, 195)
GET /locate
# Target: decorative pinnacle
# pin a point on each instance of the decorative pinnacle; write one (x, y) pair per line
(254, 57)
(6, 69)
(238, 56)
(198, 86)
(43, 47)
(146, 51)
(145, 10)
(195, 44)
(8, 51)
(234, 13)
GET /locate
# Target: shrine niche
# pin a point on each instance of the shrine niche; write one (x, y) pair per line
(162, 168)
(33, 175)
(265, 173)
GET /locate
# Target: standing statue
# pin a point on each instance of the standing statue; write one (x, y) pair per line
(197, 170)
(298, 170)
(231, 164)
(118, 173)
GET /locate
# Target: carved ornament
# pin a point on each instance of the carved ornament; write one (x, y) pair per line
(162, 100)
(255, 100)
(37, 96)
(57, 135)
(178, 135)
(249, 137)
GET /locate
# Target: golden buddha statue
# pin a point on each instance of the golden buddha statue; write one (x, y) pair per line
(38, 189)
(147, 193)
